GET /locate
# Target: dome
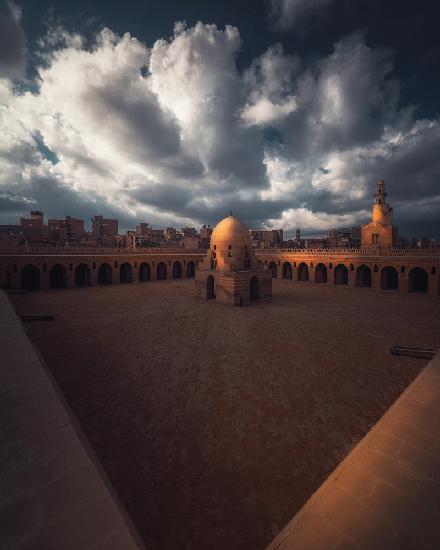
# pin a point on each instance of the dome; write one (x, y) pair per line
(230, 232)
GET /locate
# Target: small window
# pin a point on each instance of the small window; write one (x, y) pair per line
(311, 265)
(70, 267)
(433, 271)
(94, 265)
(330, 265)
(351, 267)
(15, 268)
(135, 265)
(294, 264)
(230, 247)
(215, 247)
(44, 268)
(375, 269)
(402, 269)
(116, 265)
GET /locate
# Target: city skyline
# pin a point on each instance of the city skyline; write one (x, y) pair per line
(283, 112)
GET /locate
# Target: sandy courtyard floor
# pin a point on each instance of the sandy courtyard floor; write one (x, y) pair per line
(215, 424)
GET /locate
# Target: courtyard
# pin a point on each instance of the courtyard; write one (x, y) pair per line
(215, 424)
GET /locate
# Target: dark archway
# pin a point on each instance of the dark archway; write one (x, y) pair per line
(320, 273)
(254, 288)
(210, 290)
(105, 274)
(177, 270)
(82, 275)
(363, 276)
(389, 278)
(58, 276)
(340, 275)
(273, 267)
(125, 273)
(190, 270)
(287, 270)
(161, 271)
(30, 278)
(303, 272)
(144, 272)
(417, 280)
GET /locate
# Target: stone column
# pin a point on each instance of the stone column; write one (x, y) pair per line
(44, 276)
(351, 278)
(375, 277)
(330, 275)
(434, 283)
(93, 274)
(402, 281)
(70, 276)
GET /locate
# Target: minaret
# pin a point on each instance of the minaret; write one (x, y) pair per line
(382, 211)
(380, 232)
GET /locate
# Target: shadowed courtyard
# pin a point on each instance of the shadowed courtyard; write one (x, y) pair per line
(215, 424)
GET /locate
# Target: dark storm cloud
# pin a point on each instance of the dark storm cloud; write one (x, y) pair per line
(295, 14)
(12, 44)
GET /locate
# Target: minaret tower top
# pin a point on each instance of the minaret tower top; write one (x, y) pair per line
(381, 194)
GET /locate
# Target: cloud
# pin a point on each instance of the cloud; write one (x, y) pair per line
(292, 14)
(12, 44)
(177, 134)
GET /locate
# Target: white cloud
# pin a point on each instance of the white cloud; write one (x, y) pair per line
(176, 134)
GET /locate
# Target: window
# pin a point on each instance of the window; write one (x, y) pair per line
(374, 238)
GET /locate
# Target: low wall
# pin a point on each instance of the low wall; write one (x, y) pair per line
(53, 493)
(386, 493)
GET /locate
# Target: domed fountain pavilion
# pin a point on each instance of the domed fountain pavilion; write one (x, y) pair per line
(231, 273)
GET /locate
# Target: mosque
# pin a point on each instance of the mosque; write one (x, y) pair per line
(230, 273)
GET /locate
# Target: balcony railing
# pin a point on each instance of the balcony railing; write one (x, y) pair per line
(94, 251)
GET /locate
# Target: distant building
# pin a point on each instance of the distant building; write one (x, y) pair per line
(34, 230)
(104, 230)
(266, 238)
(66, 231)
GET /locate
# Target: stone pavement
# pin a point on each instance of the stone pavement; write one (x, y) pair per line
(53, 493)
(386, 494)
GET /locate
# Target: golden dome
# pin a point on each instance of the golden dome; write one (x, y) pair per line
(230, 232)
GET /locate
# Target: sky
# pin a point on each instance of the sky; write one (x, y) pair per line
(177, 112)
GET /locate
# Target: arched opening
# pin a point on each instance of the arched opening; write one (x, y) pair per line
(303, 272)
(341, 275)
(389, 278)
(105, 274)
(125, 273)
(254, 288)
(287, 270)
(418, 280)
(82, 275)
(58, 276)
(144, 272)
(190, 270)
(273, 267)
(320, 273)
(30, 278)
(210, 294)
(161, 271)
(363, 276)
(177, 270)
